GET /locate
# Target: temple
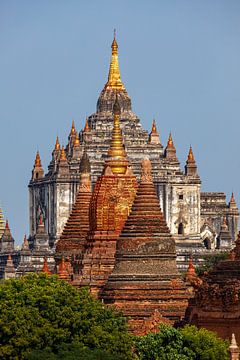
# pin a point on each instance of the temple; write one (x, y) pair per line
(193, 218)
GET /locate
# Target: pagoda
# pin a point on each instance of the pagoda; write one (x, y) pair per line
(145, 280)
(110, 205)
(216, 304)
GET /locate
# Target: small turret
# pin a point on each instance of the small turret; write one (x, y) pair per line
(45, 268)
(232, 203)
(76, 152)
(63, 167)
(190, 167)
(41, 240)
(7, 241)
(170, 151)
(154, 136)
(62, 270)
(37, 172)
(224, 239)
(9, 271)
(25, 245)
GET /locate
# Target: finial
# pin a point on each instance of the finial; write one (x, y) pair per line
(73, 130)
(190, 155)
(117, 158)
(232, 198)
(63, 154)
(114, 78)
(57, 145)
(86, 128)
(25, 245)
(114, 33)
(7, 226)
(76, 140)
(170, 141)
(38, 160)
(154, 127)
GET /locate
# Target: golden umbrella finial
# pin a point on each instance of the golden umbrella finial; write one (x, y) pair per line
(73, 129)
(116, 152)
(190, 155)
(38, 160)
(57, 145)
(154, 127)
(170, 141)
(114, 78)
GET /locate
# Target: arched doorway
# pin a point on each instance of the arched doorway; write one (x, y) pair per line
(180, 229)
(207, 243)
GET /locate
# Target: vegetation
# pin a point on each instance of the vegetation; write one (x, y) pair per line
(209, 262)
(40, 312)
(181, 344)
(42, 318)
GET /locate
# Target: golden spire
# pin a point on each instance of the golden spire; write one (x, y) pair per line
(57, 145)
(38, 160)
(154, 127)
(73, 129)
(87, 128)
(116, 153)
(170, 141)
(63, 154)
(76, 140)
(190, 155)
(114, 78)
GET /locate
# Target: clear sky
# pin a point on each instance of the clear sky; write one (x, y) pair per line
(179, 60)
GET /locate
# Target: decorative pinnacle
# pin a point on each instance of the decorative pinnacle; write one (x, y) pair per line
(232, 198)
(87, 128)
(233, 345)
(154, 127)
(73, 129)
(116, 146)
(76, 140)
(38, 160)
(7, 226)
(114, 78)
(190, 155)
(170, 141)
(63, 154)
(57, 145)
(45, 268)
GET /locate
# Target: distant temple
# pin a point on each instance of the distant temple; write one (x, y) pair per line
(194, 218)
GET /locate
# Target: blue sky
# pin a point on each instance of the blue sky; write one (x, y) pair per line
(179, 61)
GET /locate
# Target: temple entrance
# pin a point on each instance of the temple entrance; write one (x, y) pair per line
(207, 243)
(180, 229)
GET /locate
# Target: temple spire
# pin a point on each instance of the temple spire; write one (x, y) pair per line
(38, 160)
(114, 78)
(57, 145)
(73, 129)
(116, 153)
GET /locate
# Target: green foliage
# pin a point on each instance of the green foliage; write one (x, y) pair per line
(209, 262)
(181, 344)
(40, 312)
(72, 352)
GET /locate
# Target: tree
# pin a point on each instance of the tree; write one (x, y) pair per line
(40, 312)
(181, 344)
(210, 261)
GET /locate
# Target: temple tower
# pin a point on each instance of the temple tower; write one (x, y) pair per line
(145, 279)
(7, 241)
(2, 223)
(73, 238)
(109, 208)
